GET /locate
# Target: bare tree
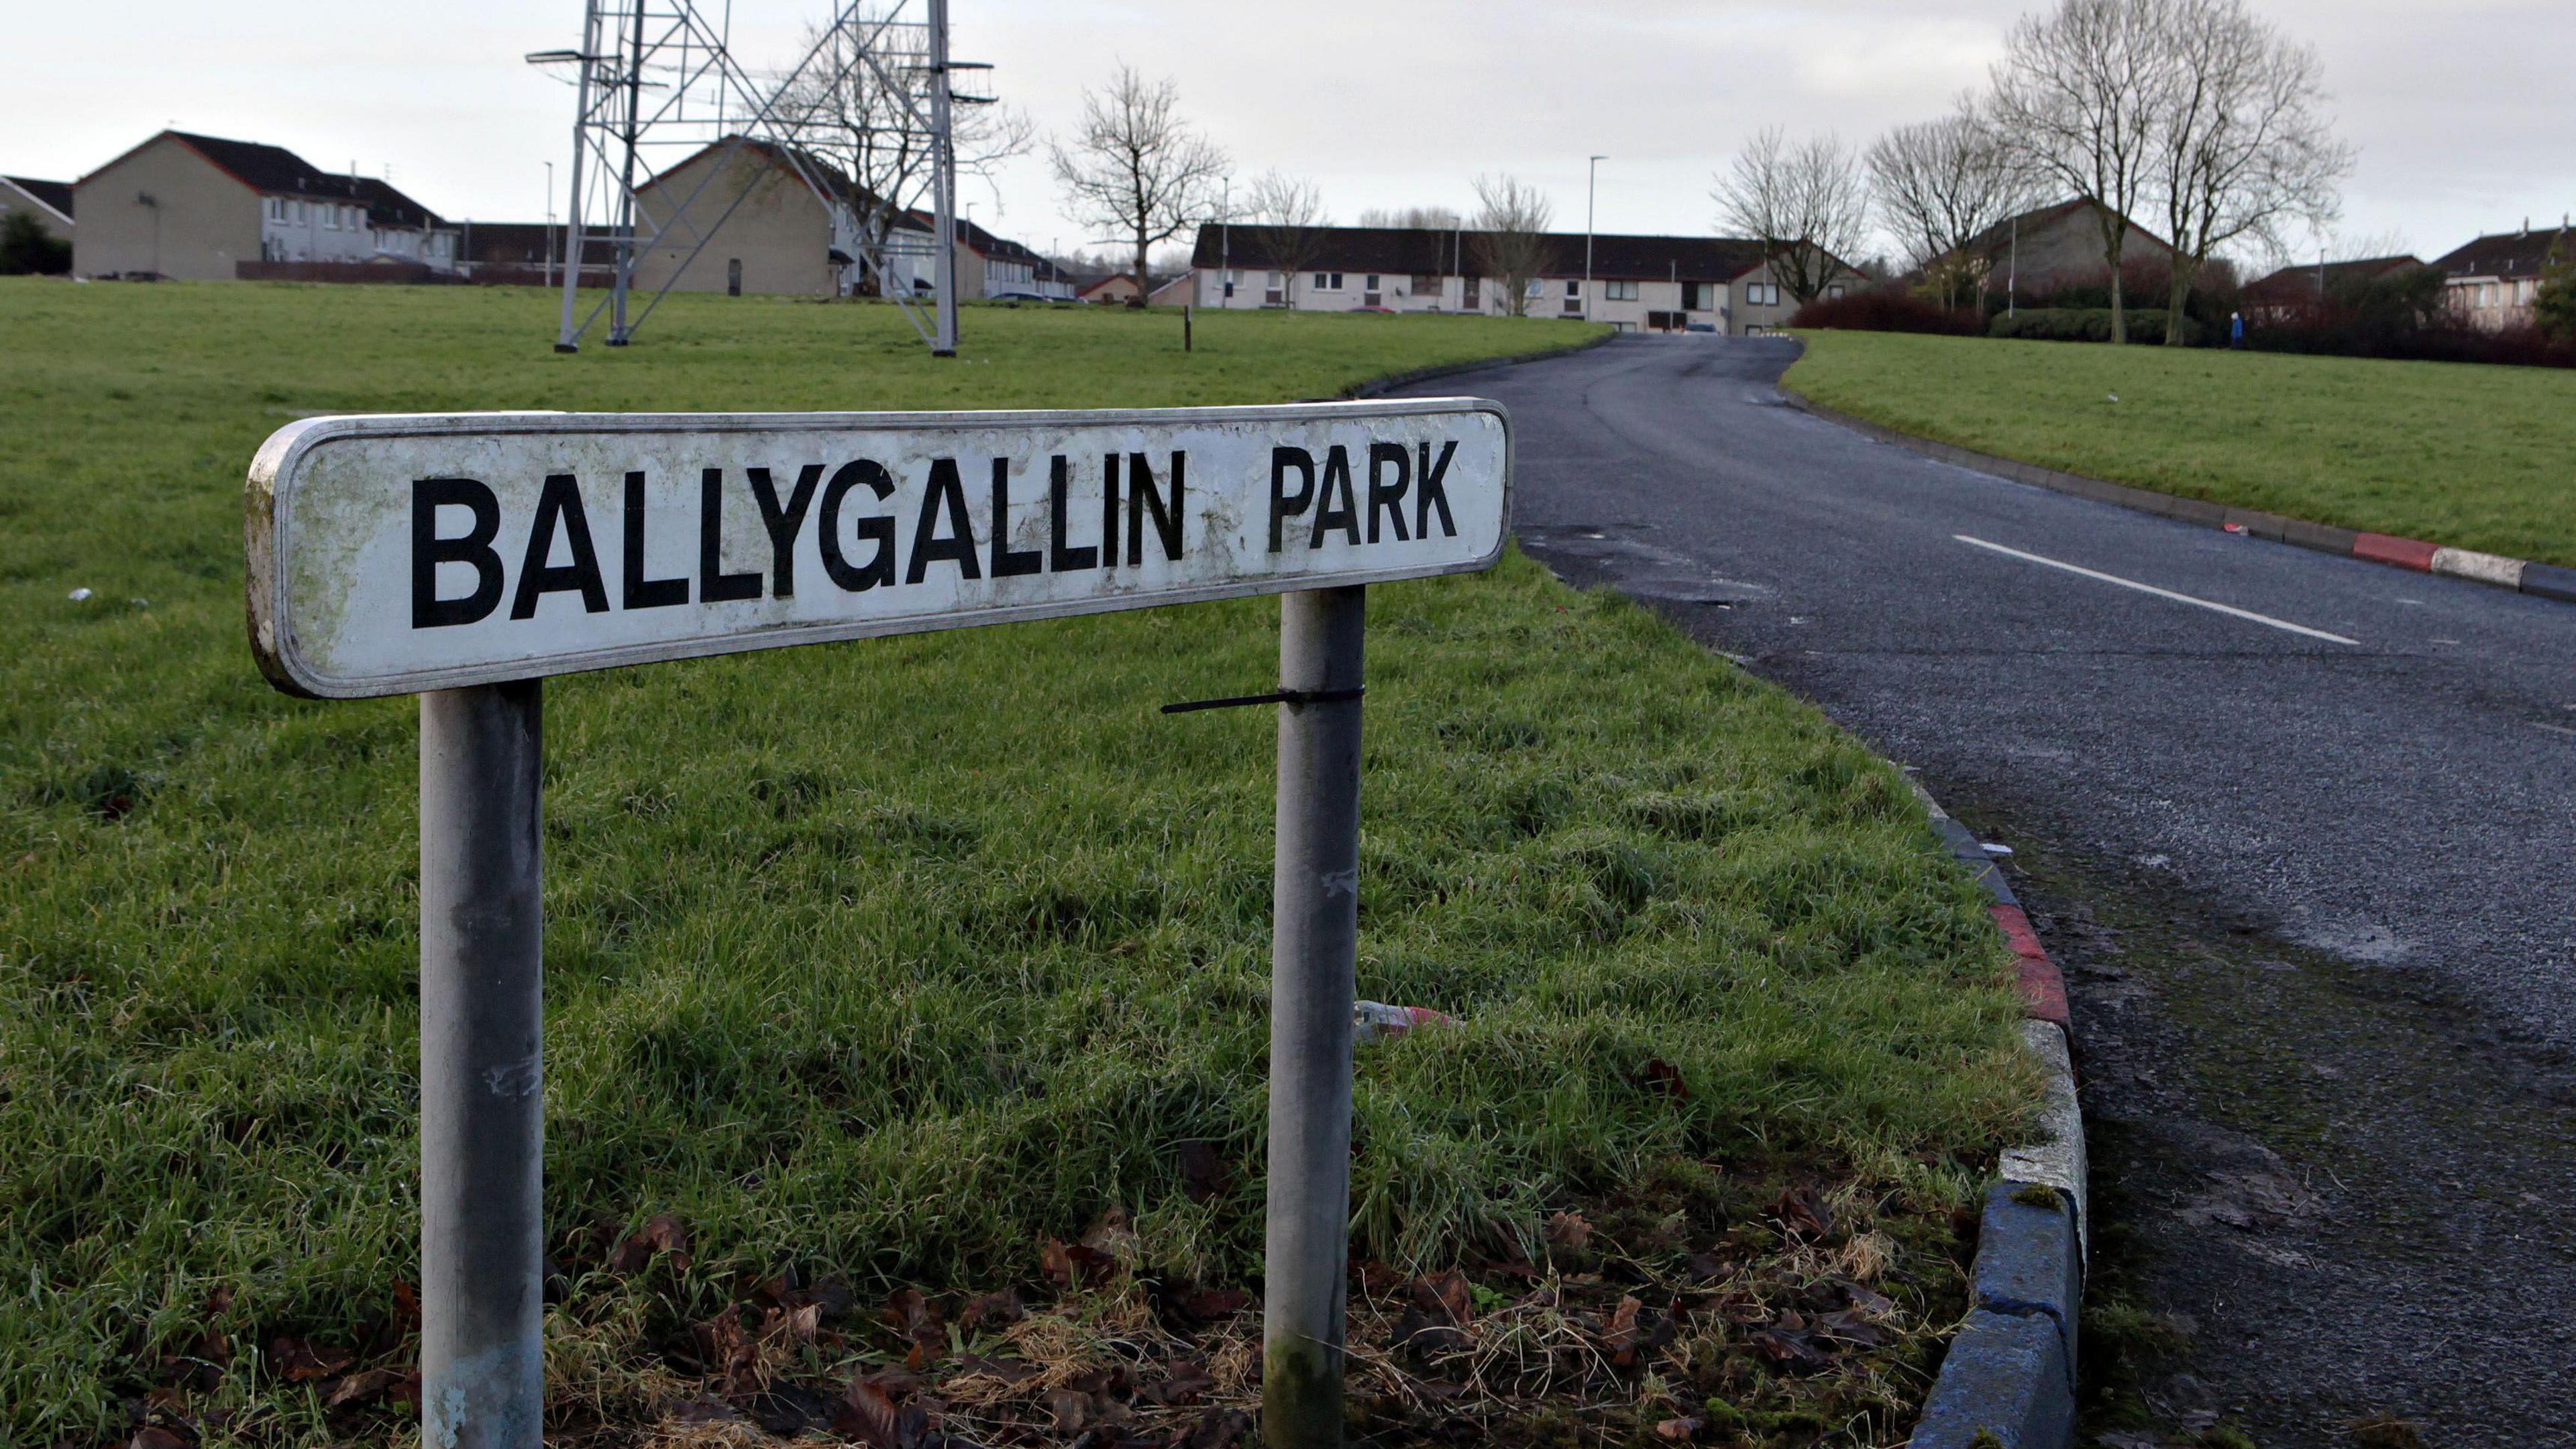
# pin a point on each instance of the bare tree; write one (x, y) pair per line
(1804, 202)
(1413, 218)
(2244, 147)
(1288, 219)
(1134, 167)
(2079, 95)
(1939, 186)
(873, 121)
(1511, 242)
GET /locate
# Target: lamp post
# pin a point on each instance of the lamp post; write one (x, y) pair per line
(550, 223)
(1591, 186)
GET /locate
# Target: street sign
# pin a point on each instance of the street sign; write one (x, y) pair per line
(463, 557)
(397, 554)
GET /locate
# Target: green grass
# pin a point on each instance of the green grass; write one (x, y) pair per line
(882, 960)
(2473, 457)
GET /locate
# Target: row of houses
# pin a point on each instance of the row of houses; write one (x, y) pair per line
(207, 208)
(1634, 283)
(2492, 283)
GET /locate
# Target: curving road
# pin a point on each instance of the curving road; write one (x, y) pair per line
(2302, 828)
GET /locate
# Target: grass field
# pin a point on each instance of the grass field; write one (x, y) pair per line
(875, 964)
(2474, 457)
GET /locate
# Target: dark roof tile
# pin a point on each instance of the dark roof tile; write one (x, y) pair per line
(56, 194)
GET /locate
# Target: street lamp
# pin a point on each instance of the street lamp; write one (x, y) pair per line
(1591, 185)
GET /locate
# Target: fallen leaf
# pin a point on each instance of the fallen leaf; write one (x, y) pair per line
(908, 1310)
(1203, 1174)
(1112, 1236)
(361, 1388)
(301, 1362)
(992, 1310)
(1801, 1211)
(1790, 1350)
(1210, 1304)
(1663, 1077)
(1218, 1429)
(1678, 1431)
(1852, 1326)
(661, 1233)
(863, 1412)
(406, 1307)
(1569, 1230)
(1622, 1334)
(1186, 1383)
(1071, 1408)
(1865, 1299)
(1448, 1292)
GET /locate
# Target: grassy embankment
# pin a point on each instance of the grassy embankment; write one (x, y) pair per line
(884, 962)
(2474, 457)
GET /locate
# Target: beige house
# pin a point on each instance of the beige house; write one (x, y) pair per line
(50, 202)
(778, 221)
(2055, 246)
(1634, 283)
(2493, 283)
(197, 207)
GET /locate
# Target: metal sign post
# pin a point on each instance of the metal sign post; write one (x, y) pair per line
(464, 557)
(482, 1068)
(1314, 964)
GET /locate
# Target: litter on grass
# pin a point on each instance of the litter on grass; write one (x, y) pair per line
(80, 596)
(1377, 1021)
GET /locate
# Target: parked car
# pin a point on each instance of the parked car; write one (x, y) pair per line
(1025, 297)
(1389, 311)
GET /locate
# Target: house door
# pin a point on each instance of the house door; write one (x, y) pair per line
(733, 276)
(1471, 298)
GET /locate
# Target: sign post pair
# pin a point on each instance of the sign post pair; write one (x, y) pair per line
(464, 557)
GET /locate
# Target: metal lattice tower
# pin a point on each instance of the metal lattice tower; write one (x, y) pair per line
(657, 82)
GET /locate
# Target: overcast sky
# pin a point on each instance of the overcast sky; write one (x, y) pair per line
(2462, 109)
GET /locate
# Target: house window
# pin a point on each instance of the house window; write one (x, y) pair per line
(1573, 289)
(1619, 291)
(1372, 283)
(1425, 284)
(1762, 294)
(1694, 296)
(1835, 290)
(1328, 281)
(1537, 288)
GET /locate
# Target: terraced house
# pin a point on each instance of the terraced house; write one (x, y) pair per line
(1634, 283)
(205, 208)
(2493, 282)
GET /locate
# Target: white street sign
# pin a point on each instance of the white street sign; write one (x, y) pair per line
(396, 554)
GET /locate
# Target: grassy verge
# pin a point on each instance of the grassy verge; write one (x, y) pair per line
(2474, 457)
(877, 968)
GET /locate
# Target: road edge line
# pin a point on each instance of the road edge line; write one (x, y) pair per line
(2009, 1378)
(2521, 576)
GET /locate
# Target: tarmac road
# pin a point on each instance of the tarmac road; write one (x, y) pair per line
(2303, 829)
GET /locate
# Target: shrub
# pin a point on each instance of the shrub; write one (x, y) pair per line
(2556, 305)
(2086, 324)
(1883, 309)
(25, 246)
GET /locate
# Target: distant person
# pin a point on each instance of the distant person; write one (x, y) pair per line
(2236, 330)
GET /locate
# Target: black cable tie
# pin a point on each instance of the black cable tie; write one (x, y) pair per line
(1284, 696)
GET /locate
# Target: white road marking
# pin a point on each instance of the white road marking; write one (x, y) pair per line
(2228, 609)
